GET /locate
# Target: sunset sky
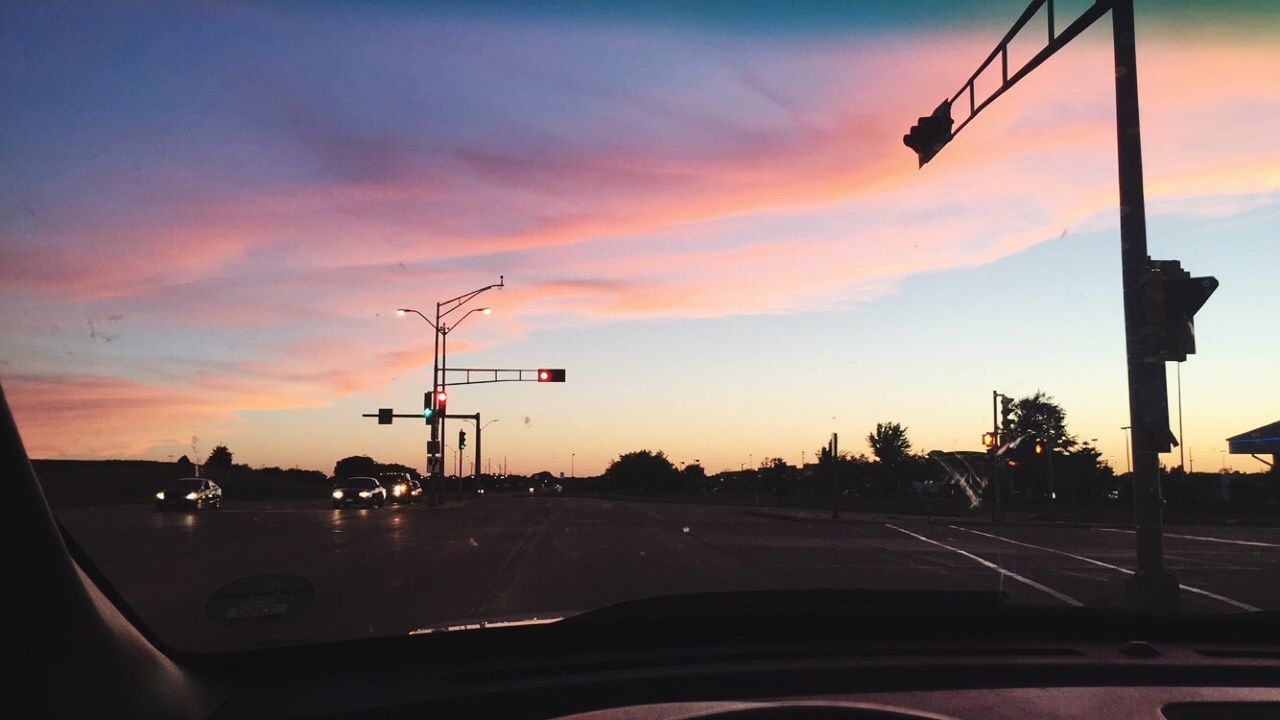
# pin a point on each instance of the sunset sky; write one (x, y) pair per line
(703, 211)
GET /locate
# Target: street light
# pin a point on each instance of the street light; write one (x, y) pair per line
(1128, 468)
(439, 363)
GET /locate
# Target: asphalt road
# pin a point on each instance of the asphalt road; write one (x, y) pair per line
(394, 570)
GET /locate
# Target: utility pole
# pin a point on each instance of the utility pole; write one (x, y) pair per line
(835, 476)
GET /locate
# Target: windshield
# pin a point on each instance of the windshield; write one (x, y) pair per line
(185, 484)
(657, 298)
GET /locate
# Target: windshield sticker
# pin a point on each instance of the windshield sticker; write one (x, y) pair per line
(260, 600)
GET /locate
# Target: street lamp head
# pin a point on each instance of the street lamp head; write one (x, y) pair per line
(487, 311)
(401, 311)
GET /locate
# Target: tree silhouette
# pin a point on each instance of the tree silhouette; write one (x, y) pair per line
(219, 458)
(694, 475)
(889, 443)
(355, 466)
(1043, 419)
(644, 471)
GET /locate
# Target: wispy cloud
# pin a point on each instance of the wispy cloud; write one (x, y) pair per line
(309, 185)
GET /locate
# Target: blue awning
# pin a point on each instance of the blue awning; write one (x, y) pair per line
(1259, 441)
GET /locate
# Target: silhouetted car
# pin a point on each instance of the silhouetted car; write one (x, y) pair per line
(359, 491)
(401, 488)
(190, 493)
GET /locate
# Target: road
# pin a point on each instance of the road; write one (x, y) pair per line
(393, 570)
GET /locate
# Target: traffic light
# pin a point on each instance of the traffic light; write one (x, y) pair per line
(433, 405)
(988, 440)
(462, 440)
(1006, 414)
(1170, 300)
(1039, 448)
(384, 416)
(550, 374)
(930, 133)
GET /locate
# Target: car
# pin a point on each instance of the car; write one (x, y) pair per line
(401, 488)
(364, 491)
(189, 493)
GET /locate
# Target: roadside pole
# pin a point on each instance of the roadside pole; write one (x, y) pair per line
(1151, 586)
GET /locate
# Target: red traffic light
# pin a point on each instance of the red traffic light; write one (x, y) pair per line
(550, 374)
(930, 133)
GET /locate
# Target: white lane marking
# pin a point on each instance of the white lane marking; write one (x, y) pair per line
(1254, 543)
(1126, 571)
(987, 563)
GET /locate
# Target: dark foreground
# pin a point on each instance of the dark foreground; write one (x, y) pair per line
(394, 570)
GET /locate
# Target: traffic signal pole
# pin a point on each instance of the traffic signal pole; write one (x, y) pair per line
(1151, 586)
(997, 511)
(1160, 299)
(435, 463)
(444, 366)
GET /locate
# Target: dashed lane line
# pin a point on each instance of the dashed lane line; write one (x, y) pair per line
(1117, 568)
(987, 563)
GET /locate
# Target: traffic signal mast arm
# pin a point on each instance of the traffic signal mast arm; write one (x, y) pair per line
(932, 132)
(479, 376)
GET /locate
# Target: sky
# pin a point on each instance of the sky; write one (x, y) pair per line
(210, 211)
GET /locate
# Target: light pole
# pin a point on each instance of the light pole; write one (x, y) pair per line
(572, 457)
(1182, 452)
(443, 309)
(1128, 468)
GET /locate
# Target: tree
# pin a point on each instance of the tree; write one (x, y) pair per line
(889, 443)
(219, 458)
(185, 465)
(355, 466)
(1043, 419)
(694, 476)
(775, 474)
(643, 471)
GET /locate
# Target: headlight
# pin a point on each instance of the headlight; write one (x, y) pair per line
(530, 491)
(191, 496)
(364, 493)
(337, 494)
(480, 491)
(160, 495)
(398, 491)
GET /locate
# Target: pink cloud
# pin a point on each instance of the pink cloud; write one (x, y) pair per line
(817, 206)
